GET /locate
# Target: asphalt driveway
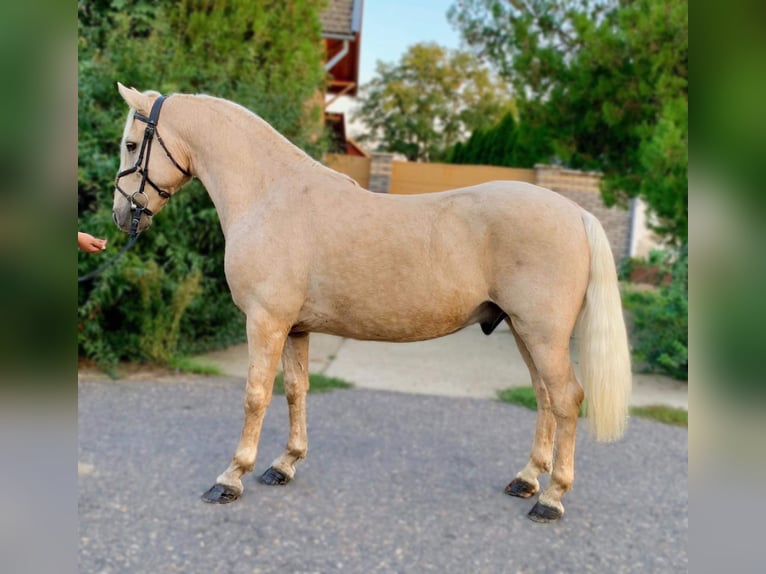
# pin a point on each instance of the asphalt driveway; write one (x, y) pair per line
(393, 483)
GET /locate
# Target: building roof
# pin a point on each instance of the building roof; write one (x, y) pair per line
(342, 19)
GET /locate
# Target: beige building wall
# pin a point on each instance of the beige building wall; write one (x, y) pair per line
(644, 240)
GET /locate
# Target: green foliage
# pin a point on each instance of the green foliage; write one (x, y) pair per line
(161, 311)
(429, 100)
(318, 383)
(659, 260)
(660, 318)
(265, 56)
(506, 144)
(184, 241)
(608, 79)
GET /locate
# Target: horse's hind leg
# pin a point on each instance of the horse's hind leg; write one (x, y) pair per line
(295, 362)
(526, 484)
(266, 339)
(565, 394)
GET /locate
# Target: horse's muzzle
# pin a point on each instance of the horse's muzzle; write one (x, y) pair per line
(123, 217)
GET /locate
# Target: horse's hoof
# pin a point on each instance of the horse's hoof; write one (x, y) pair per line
(521, 488)
(221, 494)
(274, 477)
(542, 513)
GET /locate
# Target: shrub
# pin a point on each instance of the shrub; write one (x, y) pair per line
(162, 308)
(660, 320)
(122, 310)
(655, 269)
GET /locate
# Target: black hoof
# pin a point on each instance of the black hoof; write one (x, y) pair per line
(220, 494)
(521, 488)
(543, 513)
(273, 477)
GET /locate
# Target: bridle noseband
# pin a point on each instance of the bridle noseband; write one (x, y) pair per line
(138, 200)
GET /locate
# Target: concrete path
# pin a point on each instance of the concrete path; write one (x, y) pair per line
(464, 364)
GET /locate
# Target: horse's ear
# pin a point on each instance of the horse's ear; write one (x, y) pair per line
(135, 99)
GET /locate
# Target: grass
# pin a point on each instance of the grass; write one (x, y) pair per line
(317, 384)
(659, 413)
(522, 396)
(189, 365)
(525, 397)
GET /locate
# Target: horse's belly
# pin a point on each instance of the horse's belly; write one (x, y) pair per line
(384, 321)
(366, 330)
(426, 280)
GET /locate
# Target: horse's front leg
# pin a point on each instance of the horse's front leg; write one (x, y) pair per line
(266, 338)
(295, 363)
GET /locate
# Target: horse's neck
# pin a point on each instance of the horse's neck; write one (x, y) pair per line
(239, 157)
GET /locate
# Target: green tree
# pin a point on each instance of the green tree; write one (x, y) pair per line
(506, 144)
(457, 153)
(608, 78)
(265, 56)
(428, 101)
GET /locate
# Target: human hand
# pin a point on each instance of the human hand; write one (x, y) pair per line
(90, 244)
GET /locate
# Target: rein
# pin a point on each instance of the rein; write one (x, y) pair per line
(138, 200)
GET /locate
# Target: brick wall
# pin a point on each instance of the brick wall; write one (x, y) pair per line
(380, 172)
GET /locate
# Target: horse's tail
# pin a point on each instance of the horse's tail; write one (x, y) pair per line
(603, 341)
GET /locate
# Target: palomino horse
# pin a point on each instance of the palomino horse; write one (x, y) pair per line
(308, 250)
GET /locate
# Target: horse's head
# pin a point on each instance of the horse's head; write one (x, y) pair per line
(148, 176)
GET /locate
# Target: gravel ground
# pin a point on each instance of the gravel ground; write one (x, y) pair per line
(393, 483)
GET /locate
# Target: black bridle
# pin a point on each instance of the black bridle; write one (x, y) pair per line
(138, 200)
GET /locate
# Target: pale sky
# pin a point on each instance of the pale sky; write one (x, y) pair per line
(389, 27)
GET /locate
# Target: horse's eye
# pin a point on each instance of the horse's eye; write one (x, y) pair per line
(130, 146)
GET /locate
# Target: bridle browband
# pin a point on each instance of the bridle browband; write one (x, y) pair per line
(138, 200)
